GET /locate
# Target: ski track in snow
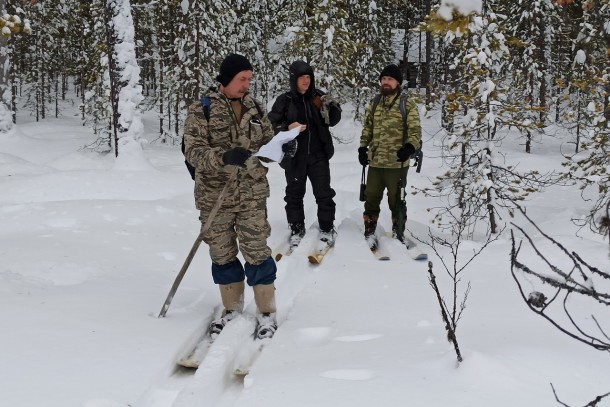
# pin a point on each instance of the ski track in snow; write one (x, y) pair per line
(349, 374)
(214, 383)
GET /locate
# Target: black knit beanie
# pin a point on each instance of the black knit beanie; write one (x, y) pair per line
(231, 66)
(392, 71)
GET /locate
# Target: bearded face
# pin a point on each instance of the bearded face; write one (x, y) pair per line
(389, 86)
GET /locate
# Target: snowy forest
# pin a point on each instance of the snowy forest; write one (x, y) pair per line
(496, 73)
(493, 66)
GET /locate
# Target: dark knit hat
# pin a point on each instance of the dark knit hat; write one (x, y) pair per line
(392, 71)
(231, 66)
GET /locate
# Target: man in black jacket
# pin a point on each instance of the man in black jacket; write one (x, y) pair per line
(314, 112)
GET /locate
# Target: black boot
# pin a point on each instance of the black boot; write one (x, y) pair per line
(370, 225)
(395, 231)
(297, 231)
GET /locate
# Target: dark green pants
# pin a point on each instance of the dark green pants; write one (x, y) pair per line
(378, 180)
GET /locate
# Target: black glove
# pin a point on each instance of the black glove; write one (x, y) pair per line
(363, 155)
(405, 152)
(290, 148)
(236, 156)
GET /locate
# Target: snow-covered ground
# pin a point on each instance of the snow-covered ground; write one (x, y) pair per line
(89, 250)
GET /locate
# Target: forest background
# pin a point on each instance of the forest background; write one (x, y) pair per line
(489, 66)
(525, 70)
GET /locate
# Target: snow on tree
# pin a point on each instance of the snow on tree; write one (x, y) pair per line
(10, 25)
(478, 182)
(532, 26)
(130, 93)
(586, 109)
(205, 34)
(323, 40)
(261, 26)
(366, 25)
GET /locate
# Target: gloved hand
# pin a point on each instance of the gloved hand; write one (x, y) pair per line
(405, 152)
(290, 148)
(363, 155)
(236, 156)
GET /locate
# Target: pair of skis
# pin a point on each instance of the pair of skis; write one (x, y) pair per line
(238, 328)
(315, 255)
(412, 248)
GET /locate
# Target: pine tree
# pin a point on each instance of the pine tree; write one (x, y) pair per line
(586, 108)
(323, 40)
(367, 26)
(204, 36)
(10, 25)
(478, 183)
(531, 24)
(124, 74)
(262, 26)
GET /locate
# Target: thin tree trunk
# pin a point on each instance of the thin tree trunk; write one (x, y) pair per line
(428, 70)
(110, 42)
(542, 50)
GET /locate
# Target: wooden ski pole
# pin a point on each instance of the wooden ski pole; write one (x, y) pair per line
(196, 245)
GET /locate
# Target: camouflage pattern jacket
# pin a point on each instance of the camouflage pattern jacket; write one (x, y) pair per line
(382, 134)
(206, 142)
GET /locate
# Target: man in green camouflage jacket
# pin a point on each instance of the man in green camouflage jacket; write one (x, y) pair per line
(221, 150)
(384, 147)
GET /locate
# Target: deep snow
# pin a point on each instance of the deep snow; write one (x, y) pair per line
(90, 246)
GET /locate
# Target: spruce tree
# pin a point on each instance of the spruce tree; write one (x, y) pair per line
(12, 23)
(478, 184)
(586, 102)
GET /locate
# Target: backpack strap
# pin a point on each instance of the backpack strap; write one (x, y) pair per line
(403, 110)
(375, 103)
(260, 111)
(206, 103)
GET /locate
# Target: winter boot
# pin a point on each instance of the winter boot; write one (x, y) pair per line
(264, 296)
(395, 230)
(328, 236)
(217, 325)
(267, 325)
(233, 301)
(370, 225)
(297, 231)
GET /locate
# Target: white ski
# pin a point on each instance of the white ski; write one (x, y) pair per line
(194, 358)
(283, 250)
(379, 252)
(196, 353)
(244, 367)
(412, 248)
(414, 251)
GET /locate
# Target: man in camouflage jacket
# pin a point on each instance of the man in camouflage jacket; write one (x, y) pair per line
(221, 150)
(384, 147)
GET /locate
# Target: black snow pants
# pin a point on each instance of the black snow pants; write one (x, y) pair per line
(316, 167)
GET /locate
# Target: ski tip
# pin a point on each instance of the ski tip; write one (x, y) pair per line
(313, 259)
(241, 371)
(188, 363)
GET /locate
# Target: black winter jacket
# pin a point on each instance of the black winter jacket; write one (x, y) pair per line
(293, 107)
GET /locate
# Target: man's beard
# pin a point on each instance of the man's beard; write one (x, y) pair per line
(387, 90)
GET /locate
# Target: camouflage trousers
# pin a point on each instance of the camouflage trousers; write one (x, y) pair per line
(246, 224)
(378, 180)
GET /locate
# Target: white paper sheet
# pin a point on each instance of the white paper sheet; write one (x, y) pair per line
(273, 149)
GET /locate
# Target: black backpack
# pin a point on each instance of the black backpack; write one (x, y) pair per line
(206, 103)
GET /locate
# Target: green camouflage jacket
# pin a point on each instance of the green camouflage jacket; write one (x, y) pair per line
(382, 134)
(206, 142)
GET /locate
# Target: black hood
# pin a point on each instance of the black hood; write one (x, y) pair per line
(299, 68)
